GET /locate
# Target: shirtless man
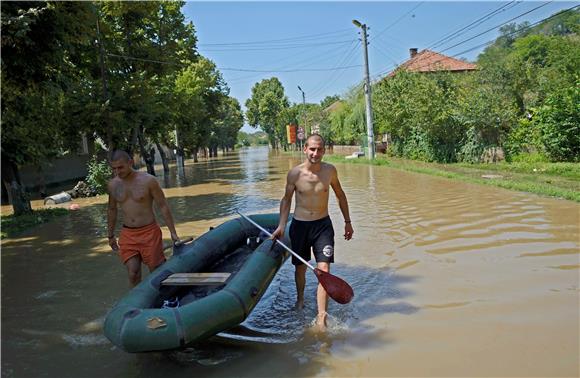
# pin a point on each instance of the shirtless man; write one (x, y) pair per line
(311, 226)
(140, 239)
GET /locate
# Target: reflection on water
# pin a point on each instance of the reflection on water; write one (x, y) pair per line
(441, 270)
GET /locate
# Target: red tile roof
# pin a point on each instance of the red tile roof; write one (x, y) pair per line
(430, 61)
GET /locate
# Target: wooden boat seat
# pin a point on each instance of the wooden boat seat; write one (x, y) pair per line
(192, 279)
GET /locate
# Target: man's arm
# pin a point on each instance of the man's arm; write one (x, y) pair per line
(342, 203)
(285, 203)
(111, 218)
(163, 206)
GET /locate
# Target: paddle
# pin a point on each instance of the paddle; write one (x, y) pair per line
(178, 244)
(335, 287)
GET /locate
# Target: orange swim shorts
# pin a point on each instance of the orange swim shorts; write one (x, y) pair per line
(145, 242)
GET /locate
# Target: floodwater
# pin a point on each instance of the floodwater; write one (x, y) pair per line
(450, 279)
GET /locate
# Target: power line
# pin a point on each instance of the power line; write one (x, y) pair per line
(397, 20)
(306, 37)
(473, 24)
(325, 54)
(237, 69)
(294, 70)
(324, 84)
(493, 28)
(280, 47)
(143, 59)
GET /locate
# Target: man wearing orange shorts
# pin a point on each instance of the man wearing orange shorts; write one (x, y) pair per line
(135, 193)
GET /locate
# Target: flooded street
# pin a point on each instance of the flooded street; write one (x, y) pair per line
(450, 279)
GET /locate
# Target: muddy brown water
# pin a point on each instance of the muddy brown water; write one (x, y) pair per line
(450, 279)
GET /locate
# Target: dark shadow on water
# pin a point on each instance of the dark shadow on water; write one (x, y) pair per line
(284, 336)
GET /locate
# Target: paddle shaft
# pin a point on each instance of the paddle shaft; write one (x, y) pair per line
(178, 244)
(278, 241)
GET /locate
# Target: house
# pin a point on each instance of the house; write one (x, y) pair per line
(427, 61)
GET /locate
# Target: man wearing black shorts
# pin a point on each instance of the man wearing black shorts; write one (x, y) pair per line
(311, 226)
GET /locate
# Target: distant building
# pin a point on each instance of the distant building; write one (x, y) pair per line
(428, 61)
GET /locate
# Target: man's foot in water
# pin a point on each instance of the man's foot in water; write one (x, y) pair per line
(321, 321)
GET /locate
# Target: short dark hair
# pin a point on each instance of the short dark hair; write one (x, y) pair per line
(312, 136)
(120, 155)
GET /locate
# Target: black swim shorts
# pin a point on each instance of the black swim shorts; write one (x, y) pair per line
(318, 235)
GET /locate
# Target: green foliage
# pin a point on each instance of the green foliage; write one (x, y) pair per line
(329, 100)
(13, 225)
(99, 174)
(523, 139)
(267, 108)
(199, 93)
(529, 158)
(346, 123)
(227, 123)
(472, 147)
(420, 114)
(559, 123)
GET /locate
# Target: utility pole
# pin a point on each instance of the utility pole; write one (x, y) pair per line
(367, 88)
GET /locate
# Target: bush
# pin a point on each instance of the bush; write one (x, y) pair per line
(99, 175)
(559, 123)
(534, 157)
(472, 147)
(523, 139)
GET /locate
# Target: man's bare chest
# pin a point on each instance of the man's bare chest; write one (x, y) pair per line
(134, 193)
(312, 184)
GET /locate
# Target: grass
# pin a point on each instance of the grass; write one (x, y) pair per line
(12, 225)
(559, 180)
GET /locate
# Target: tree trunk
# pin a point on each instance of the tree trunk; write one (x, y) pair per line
(16, 194)
(163, 158)
(195, 154)
(147, 156)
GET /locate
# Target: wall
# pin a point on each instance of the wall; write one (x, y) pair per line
(380, 148)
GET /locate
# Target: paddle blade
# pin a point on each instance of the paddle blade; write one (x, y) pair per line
(335, 287)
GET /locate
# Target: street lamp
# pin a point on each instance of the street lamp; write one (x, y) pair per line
(303, 96)
(367, 87)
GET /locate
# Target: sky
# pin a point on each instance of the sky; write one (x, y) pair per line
(316, 46)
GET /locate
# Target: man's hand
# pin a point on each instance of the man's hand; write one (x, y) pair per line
(278, 233)
(113, 243)
(175, 239)
(348, 231)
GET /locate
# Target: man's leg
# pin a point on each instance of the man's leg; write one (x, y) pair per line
(134, 270)
(300, 277)
(322, 297)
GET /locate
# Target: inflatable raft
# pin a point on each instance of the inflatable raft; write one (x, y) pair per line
(206, 287)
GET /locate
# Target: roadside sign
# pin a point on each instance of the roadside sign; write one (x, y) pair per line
(291, 133)
(301, 133)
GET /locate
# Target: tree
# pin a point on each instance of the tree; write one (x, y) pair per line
(329, 100)
(265, 108)
(146, 44)
(199, 90)
(42, 45)
(228, 123)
